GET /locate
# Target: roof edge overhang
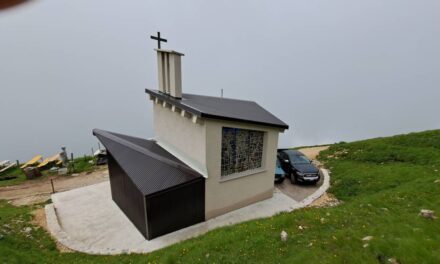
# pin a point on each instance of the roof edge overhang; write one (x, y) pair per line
(134, 147)
(194, 111)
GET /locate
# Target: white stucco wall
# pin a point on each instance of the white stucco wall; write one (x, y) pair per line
(199, 146)
(223, 194)
(180, 136)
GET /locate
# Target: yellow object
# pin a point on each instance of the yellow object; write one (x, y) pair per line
(33, 161)
(49, 160)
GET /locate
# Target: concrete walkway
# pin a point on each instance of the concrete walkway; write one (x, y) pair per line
(87, 220)
(298, 192)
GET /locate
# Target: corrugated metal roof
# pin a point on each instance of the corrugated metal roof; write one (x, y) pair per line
(222, 108)
(151, 167)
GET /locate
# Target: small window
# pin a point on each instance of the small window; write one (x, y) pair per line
(242, 150)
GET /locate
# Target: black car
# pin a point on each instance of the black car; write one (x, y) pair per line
(299, 168)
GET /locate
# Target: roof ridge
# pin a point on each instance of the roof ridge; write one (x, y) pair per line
(224, 98)
(143, 150)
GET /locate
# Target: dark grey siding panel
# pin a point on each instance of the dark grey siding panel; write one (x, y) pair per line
(125, 194)
(176, 208)
(149, 182)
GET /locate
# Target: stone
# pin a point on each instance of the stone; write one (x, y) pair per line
(283, 236)
(437, 181)
(27, 230)
(367, 238)
(393, 261)
(300, 227)
(365, 245)
(62, 171)
(427, 214)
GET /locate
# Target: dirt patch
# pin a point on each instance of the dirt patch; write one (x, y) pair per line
(29, 200)
(40, 221)
(39, 218)
(37, 191)
(313, 152)
(326, 200)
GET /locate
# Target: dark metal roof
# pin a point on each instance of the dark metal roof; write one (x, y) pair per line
(222, 108)
(151, 168)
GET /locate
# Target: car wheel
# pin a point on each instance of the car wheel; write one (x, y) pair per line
(292, 178)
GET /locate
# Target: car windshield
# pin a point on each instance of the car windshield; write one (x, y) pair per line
(299, 159)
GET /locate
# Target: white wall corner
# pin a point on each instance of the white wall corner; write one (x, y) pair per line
(190, 162)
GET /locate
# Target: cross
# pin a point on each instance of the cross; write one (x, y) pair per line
(158, 39)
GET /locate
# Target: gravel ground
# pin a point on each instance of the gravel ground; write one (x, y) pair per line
(37, 191)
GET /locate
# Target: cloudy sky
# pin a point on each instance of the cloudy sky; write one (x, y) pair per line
(333, 70)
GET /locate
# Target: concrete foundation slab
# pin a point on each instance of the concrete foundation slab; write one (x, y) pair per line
(87, 220)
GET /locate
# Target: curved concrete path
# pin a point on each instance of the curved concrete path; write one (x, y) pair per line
(87, 220)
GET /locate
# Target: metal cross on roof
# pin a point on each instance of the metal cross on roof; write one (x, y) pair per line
(158, 39)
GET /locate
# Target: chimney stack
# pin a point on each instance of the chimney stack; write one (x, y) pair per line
(170, 72)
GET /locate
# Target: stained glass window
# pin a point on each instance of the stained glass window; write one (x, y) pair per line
(242, 150)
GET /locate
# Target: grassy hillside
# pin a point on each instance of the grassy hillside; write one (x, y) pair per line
(382, 182)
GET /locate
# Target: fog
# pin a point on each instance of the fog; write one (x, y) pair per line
(332, 70)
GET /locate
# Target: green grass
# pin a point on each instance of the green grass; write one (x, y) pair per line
(12, 172)
(383, 184)
(83, 164)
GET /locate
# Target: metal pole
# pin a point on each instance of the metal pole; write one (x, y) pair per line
(18, 163)
(53, 189)
(222, 93)
(73, 163)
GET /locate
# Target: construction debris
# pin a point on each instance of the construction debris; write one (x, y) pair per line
(7, 167)
(33, 162)
(55, 160)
